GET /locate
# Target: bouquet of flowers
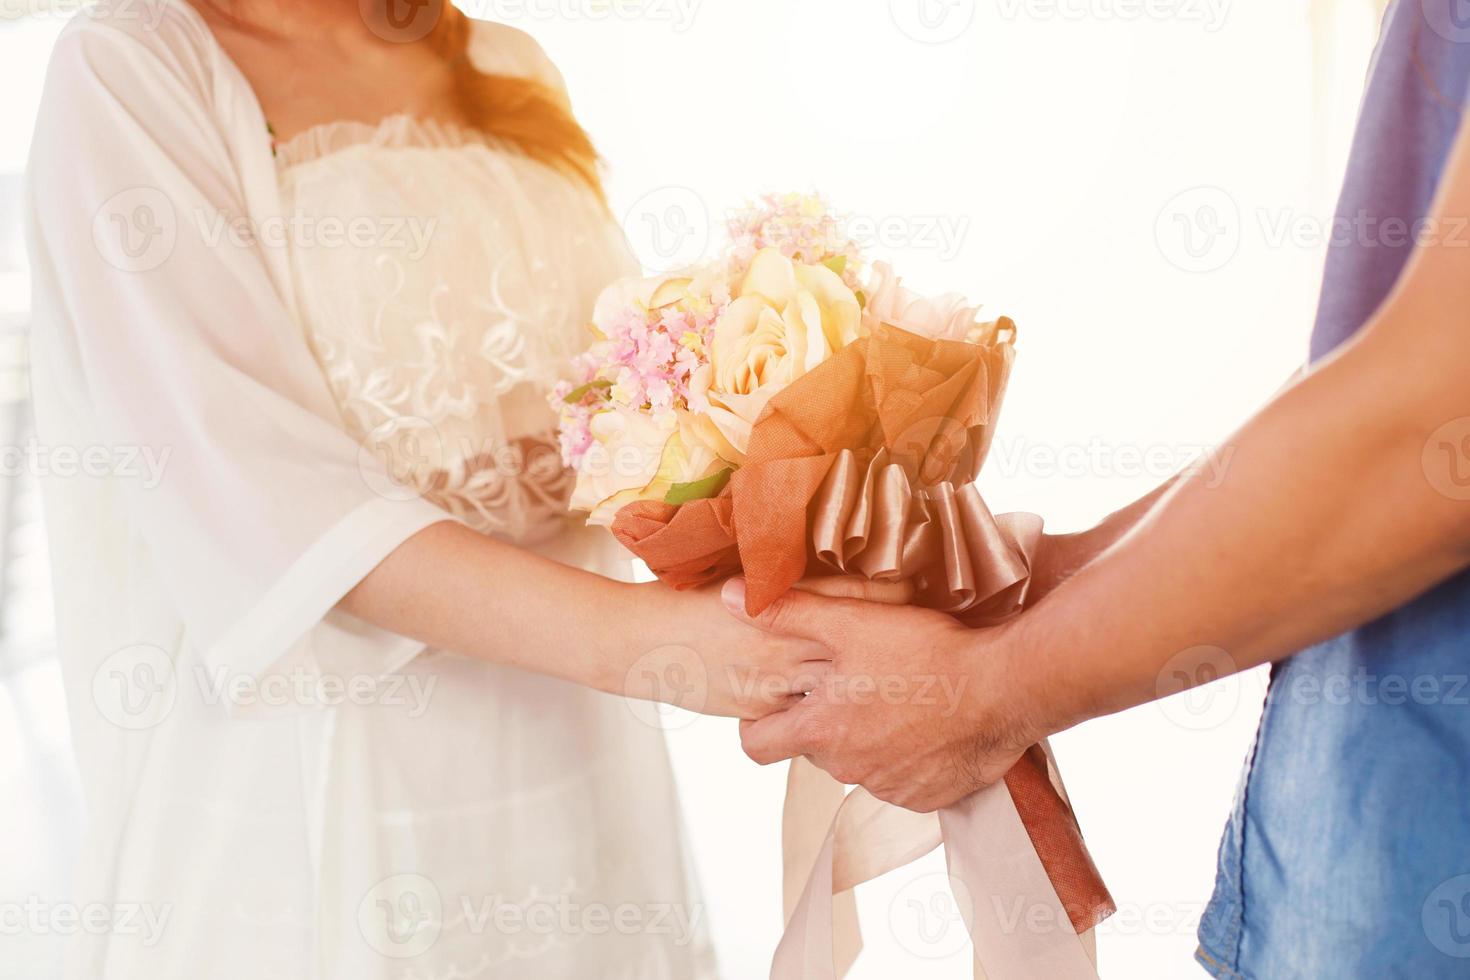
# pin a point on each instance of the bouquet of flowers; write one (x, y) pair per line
(784, 411)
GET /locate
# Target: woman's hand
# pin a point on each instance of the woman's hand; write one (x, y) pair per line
(704, 661)
(915, 707)
(688, 651)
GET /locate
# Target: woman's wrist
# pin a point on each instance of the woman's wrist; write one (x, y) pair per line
(628, 623)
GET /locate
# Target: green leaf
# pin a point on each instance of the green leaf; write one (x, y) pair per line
(580, 393)
(837, 263)
(710, 486)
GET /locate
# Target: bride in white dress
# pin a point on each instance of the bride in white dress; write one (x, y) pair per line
(339, 344)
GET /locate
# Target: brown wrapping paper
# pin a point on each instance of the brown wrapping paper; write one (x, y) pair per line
(866, 466)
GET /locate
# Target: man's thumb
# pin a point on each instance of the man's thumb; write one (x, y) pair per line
(797, 614)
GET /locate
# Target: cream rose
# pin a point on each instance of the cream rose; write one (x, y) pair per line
(947, 317)
(636, 456)
(785, 320)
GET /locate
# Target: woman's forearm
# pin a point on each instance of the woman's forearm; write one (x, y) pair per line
(456, 589)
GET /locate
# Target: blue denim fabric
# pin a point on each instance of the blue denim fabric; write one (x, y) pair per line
(1347, 854)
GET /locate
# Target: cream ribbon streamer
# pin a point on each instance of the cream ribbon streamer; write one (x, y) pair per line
(834, 841)
(868, 521)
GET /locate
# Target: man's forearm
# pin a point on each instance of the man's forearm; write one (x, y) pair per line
(1337, 503)
(1324, 520)
(1064, 555)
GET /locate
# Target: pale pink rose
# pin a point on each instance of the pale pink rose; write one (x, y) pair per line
(627, 294)
(636, 456)
(947, 317)
(623, 460)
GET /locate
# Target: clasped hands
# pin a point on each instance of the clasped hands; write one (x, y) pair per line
(915, 707)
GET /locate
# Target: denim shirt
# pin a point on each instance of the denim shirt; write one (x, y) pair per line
(1347, 854)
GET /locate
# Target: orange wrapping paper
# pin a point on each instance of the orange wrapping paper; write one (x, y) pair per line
(906, 423)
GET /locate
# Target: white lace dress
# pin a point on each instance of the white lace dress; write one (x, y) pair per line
(329, 349)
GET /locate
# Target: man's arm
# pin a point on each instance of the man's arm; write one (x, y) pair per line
(1063, 555)
(1060, 556)
(1342, 500)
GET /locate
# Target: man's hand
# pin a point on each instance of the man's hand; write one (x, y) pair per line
(913, 706)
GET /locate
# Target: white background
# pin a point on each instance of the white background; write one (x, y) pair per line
(1074, 151)
(1143, 192)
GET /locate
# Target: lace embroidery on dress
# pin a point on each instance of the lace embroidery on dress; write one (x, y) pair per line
(444, 319)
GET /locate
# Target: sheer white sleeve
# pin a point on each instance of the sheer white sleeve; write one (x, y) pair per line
(159, 309)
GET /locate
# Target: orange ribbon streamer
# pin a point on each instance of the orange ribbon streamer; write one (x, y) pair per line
(866, 466)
